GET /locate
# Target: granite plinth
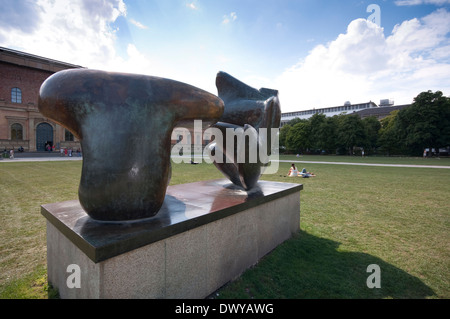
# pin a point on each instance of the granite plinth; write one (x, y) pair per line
(206, 234)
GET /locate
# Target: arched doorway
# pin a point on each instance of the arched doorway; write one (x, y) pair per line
(44, 136)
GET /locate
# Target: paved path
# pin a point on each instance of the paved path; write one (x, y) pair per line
(40, 159)
(367, 164)
(78, 158)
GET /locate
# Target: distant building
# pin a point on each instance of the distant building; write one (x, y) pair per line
(21, 123)
(347, 108)
(362, 109)
(381, 111)
(386, 102)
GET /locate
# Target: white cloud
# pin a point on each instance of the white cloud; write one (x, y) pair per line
(420, 2)
(136, 62)
(229, 18)
(19, 15)
(74, 31)
(80, 32)
(363, 65)
(138, 24)
(192, 6)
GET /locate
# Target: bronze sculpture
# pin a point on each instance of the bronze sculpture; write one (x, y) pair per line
(124, 123)
(247, 111)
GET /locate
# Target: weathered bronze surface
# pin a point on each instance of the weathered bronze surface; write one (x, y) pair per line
(124, 123)
(250, 110)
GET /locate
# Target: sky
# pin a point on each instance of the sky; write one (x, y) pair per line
(316, 53)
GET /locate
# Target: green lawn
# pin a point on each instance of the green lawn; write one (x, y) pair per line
(351, 217)
(435, 161)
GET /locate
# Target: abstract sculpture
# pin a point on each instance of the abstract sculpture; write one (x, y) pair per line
(124, 123)
(251, 110)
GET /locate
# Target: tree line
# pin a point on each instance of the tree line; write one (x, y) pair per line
(424, 124)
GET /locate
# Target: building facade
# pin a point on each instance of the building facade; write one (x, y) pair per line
(347, 108)
(21, 123)
(361, 109)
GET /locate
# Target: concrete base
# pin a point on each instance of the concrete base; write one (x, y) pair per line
(206, 234)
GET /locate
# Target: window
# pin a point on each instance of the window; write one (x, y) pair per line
(16, 132)
(16, 95)
(68, 136)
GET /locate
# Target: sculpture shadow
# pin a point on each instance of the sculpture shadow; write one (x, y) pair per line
(310, 267)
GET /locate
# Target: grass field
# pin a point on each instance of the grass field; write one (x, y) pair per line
(351, 217)
(434, 161)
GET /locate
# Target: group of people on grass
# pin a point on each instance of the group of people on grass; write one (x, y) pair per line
(293, 171)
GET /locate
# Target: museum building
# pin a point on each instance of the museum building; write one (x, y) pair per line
(364, 110)
(21, 123)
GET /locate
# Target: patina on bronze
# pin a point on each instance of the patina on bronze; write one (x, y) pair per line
(249, 109)
(124, 123)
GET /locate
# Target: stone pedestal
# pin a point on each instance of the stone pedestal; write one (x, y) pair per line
(206, 234)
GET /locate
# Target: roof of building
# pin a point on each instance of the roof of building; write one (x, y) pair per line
(33, 61)
(381, 111)
(346, 107)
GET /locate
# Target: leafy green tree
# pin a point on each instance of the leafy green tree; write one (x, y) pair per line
(295, 121)
(371, 127)
(325, 136)
(388, 137)
(317, 131)
(426, 123)
(284, 131)
(298, 137)
(350, 132)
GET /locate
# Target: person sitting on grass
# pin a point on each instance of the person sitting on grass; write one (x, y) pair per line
(293, 171)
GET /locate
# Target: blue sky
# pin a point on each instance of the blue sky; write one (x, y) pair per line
(317, 53)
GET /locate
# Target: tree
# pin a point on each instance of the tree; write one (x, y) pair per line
(298, 137)
(317, 131)
(284, 131)
(327, 138)
(296, 120)
(388, 137)
(350, 132)
(426, 123)
(371, 127)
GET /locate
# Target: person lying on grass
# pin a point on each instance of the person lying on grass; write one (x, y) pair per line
(294, 172)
